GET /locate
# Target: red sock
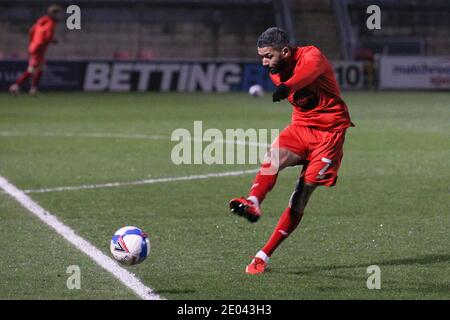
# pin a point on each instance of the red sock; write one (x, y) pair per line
(36, 79)
(23, 77)
(285, 226)
(263, 183)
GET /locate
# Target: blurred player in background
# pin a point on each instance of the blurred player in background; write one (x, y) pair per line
(314, 138)
(41, 35)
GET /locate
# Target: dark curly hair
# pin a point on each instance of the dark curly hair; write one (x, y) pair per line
(273, 37)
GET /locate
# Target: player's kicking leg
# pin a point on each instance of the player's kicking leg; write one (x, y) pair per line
(322, 168)
(287, 223)
(275, 160)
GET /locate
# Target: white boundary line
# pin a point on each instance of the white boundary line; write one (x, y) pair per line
(83, 135)
(143, 182)
(124, 276)
(122, 136)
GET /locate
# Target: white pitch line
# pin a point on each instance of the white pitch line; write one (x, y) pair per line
(123, 136)
(83, 135)
(124, 276)
(142, 182)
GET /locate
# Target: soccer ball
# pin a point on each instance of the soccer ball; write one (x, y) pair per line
(130, 245)
(256, 90)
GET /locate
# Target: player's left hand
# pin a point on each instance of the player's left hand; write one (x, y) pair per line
(281, 92)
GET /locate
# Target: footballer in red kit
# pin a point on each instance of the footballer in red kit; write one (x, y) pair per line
(314, 139)
(41, 35)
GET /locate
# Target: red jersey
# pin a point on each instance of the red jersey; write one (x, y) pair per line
(41, 34)
(313, 91)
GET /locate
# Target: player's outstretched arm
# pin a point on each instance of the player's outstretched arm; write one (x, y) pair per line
(306, 72)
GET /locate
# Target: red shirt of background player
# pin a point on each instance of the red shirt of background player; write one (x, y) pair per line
(41, 35)
(309, 77)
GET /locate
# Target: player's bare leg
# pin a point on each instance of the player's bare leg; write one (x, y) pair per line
(288, 222)
(276, 160)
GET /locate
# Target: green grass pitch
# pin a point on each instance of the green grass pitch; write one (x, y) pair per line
(390, 207)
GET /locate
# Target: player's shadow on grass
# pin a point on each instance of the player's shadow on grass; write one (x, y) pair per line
(420, 260)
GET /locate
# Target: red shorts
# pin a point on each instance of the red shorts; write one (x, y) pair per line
(322, 151)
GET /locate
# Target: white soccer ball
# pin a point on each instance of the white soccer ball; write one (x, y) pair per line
(256, 90)
(130, 245)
